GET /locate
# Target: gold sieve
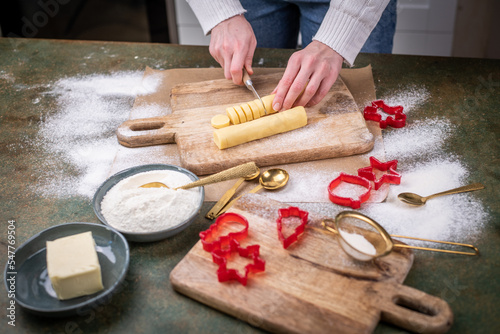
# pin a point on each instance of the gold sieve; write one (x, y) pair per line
(364, 239)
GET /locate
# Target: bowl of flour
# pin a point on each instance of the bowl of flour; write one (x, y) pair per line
(148, 214)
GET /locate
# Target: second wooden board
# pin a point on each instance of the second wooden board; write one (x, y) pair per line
(313, 286)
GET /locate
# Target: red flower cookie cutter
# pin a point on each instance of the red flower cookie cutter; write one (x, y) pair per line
(208, 237)
(291, 212)
(224, 274)
(346, 201)
(392, 177)
(398, 121)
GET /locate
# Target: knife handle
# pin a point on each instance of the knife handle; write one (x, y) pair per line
(246, 78)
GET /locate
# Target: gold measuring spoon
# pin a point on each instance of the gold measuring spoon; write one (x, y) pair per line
(271, 179)
(415, 199)
(154, 185)
(364, 239)
(228, 174)
(230, 193)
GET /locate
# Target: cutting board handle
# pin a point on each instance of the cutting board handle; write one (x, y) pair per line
(146, 132)
(416, 311)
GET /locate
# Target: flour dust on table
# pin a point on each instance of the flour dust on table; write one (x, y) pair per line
(80, 133)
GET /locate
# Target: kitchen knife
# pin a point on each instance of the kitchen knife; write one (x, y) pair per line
(248, 82)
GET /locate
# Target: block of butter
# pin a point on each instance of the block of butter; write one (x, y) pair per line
(73, 266)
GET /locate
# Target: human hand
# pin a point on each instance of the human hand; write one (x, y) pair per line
(232, 45)
(317, 66)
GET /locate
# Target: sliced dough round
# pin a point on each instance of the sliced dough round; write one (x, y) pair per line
(233, 116)
(254, 106)
(241, 114)
(248, 112)
(220, 121)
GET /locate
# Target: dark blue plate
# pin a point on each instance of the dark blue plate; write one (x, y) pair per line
(34, 291)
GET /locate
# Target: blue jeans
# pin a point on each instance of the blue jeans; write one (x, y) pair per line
(276, 23)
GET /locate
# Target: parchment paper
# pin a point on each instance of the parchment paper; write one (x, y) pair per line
(308, 180)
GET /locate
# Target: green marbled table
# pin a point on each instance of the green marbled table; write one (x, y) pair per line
(466, 91)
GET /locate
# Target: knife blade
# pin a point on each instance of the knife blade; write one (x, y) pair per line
(249, 84)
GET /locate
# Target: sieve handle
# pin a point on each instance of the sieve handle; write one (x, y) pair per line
(415, 310)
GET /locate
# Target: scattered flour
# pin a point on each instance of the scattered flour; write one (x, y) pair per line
(418, 138)
(7, 76)
(409, 97)
(93, 107)
(150, 110)
(130, 208)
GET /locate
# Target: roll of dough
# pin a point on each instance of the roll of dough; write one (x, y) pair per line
(260, 128)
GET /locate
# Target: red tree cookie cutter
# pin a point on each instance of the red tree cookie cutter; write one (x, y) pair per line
(398, 121)
(291, 212)
(224, 274)
(208, 240)
(346, 201)
(392, 177)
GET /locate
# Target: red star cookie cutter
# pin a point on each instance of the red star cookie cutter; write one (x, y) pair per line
(390, 166)
(346, 201)
(208, 240)
(291, 212)
(253, 252)
(371, 114)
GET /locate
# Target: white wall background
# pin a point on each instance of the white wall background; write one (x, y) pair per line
(424, 27)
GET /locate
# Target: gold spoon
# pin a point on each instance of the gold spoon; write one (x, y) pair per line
(228, 174)
(415, 199)
(230, 193)
(271, 179)
(154, 185)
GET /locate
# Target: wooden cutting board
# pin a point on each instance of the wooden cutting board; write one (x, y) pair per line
(335, 128)
(313, 286)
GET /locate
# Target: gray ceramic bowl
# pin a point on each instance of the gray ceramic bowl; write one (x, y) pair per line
(146, 236)
(33, 290)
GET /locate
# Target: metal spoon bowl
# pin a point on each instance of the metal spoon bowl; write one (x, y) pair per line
(154, 185)
(252, 176)
(414, 199)
(271, 179)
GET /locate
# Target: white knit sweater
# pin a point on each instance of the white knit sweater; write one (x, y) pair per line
(345, 28)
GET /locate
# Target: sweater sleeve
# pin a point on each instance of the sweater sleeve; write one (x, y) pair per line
(348, 24)
(211, 13)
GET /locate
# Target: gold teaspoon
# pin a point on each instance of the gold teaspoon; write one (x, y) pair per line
(228, 174)
(154, 185)
(415, 199)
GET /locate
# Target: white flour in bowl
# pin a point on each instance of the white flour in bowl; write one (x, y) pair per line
(130, 208)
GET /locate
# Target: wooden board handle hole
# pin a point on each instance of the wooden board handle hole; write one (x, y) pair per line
(416, 306)
(146, 126)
